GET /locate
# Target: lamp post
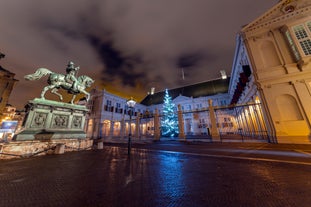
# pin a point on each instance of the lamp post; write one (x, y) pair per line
(130, 103)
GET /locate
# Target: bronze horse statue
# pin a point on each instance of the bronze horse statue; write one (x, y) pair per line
(57, 81)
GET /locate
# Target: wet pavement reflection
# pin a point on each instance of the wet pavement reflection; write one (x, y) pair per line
(170, 174)
(110, 177)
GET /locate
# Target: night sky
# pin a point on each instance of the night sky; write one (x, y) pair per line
(126, 46)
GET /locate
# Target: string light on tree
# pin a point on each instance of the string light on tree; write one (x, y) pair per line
(169, 120)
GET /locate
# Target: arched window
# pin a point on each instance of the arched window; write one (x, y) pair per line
(288, 108)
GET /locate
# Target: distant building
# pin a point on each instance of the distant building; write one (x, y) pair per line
(10, 123)
(9, 112)
(109, 116)
(7, 82)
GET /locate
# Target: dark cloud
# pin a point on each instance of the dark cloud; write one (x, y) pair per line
(127, 46)
(116, 64)
(189, 60)
(110, 57)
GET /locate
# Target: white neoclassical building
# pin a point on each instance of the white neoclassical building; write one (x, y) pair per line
(274, 51)
(266, 97)
(109, 117)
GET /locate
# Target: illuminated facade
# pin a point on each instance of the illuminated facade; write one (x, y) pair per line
(272, 66)
(10, 123)
(7, 82)
(109, 115)
(266, 97)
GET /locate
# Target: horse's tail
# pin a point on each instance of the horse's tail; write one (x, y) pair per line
(38, 74)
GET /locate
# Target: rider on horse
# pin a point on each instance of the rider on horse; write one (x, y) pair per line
(68, 82)
(70, 77)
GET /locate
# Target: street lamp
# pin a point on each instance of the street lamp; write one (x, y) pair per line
(130, 103)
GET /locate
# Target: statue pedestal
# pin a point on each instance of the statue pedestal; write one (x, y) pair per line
(47, 120)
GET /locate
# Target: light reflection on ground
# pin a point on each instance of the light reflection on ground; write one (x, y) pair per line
(171, 174)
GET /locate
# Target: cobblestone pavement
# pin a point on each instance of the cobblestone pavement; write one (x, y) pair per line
(162, 174)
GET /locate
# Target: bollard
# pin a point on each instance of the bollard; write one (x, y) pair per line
(100, 145)
(60, 149)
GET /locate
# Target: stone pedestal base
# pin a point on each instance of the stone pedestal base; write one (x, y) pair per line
(47, 120)
(46, 135)
(59, 149)
(100, 145)
(18, 149)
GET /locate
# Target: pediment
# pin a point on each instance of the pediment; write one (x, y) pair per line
(181, 98)
(282, 10)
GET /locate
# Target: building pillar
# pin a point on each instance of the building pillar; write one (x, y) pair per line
(111, 129)
(137, 134)
(181, 134)
(122, 128)
(96, 130)
(156, 125)
(214, 131)
(100, 130)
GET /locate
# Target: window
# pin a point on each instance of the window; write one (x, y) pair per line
(118, 108)
(108, 106)
(303, 34)
(189, 107)
(199, 106)
(291, 44)
(223, 102)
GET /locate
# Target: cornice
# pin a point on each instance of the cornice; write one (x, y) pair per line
(303, 12)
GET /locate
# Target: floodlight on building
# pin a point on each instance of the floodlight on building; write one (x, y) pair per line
(152, 90)
(223, 74)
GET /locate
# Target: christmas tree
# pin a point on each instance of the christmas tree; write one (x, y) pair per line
(169, 120)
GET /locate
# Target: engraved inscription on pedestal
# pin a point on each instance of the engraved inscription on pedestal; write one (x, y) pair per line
(39, 120)
(60, 121)
(76, 122)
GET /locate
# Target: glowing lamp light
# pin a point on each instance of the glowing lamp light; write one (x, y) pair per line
(131, 103)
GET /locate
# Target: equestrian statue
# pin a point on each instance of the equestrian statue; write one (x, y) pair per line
(68, 82)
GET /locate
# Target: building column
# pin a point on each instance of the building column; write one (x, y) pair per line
(122, 133)
(95, 129)
(181, 134)
(156, 125)
(303, 100)
(214, 131)
(100, 130)
(137, 134)
(111, 129)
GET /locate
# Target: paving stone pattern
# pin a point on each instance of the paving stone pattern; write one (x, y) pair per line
(109, 177)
